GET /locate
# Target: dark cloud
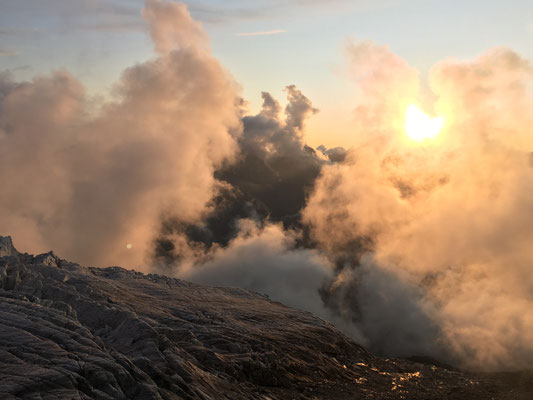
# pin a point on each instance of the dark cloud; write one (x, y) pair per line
(268, 182)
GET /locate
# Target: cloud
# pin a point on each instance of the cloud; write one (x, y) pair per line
(272, 9)
(252, 235)
(263, 260)
(269, 180)
(172, 27)
(262, 33)
(216, 15)
(267, 260)
(431, 240)
(8, 53)
(427, 244)
(86, 184)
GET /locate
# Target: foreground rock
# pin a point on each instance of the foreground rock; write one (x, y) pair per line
(70, 332)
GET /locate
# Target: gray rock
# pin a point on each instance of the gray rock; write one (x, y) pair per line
(70, 332)
(6, 247)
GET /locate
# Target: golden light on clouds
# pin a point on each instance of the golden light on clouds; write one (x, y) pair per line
(420, 126)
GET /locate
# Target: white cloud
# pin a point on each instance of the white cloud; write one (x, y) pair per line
(262, 33)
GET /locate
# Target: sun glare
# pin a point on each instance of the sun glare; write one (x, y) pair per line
(420, 126)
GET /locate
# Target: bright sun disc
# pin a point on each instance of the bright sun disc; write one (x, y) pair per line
(420, 126)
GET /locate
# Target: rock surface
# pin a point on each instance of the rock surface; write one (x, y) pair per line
(71, 332)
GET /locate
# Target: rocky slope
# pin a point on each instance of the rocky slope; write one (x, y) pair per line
(71, 332)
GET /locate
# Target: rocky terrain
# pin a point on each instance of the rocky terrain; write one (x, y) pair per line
(72, 332)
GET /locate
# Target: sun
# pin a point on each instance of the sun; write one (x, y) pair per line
(420, 126)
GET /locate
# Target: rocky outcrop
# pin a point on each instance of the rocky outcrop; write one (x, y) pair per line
(71, 332)
(6, 247)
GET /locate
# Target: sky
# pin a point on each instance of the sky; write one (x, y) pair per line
(266, 45)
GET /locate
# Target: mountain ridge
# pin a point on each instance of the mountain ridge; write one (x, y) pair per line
(74, 332)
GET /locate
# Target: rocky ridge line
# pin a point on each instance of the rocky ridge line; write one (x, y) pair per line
(73, 332)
